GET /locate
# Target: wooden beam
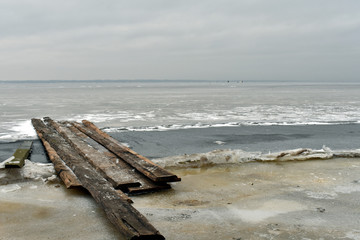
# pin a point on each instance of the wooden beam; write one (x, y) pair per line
(141, 163)
(22, 153)
(146, 185)
(127, 219)
(65, 173)
(120, 178)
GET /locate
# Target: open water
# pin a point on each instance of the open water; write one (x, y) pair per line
(251, 115)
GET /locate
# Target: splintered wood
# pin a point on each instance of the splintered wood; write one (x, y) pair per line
(84, 156)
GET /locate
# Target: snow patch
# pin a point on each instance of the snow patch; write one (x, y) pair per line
(30, 171)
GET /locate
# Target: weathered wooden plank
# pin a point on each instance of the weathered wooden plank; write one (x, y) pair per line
(120, 178)
(65, 173)
(127, 219)
(20, 155)
(146, 185)
(141, 163)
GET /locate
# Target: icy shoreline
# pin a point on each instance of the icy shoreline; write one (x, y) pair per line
(256, 200)
(31, 171)
(228, 156)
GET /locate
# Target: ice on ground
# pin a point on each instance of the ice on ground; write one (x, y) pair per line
(10, 188)
(346, 189)
(33, 210)
(30, 171)
(2, 164)
(22, 129)
(354, 235)
(219, 142)
(268, 209)
(25, 128)
(321, 195)
(221, 202)
(223, 156)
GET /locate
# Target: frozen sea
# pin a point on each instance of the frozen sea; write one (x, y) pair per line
(164, 118)
(261, 159)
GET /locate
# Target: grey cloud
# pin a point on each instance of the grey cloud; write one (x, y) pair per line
(228, 39)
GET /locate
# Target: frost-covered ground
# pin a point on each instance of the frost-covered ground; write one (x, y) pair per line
(316, 199)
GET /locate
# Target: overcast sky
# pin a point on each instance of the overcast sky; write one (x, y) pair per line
(186, 39)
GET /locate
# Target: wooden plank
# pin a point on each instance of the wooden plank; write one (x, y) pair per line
(127, 219)
(65, 173)
(120, 178)
(141, 163)
(22, 153)
(146, 185)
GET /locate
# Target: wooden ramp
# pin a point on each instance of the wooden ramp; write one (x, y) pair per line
(84, 156)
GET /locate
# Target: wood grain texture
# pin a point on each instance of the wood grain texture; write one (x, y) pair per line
(139, 162)
(126, 218)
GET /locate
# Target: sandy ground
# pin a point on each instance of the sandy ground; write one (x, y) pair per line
(288, 200)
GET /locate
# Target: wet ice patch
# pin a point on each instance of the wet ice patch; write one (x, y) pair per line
(38, 170)
(126, 144)
(52, 178)
(219, 156)
(268, 209)
(30, 171)
(223, 156)
(321, 195)
(22, 129)
(219, 142)
(123, 116)
(10, 188)
(2, 164)
(348, 188)
(355, 235)
(301, 154)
